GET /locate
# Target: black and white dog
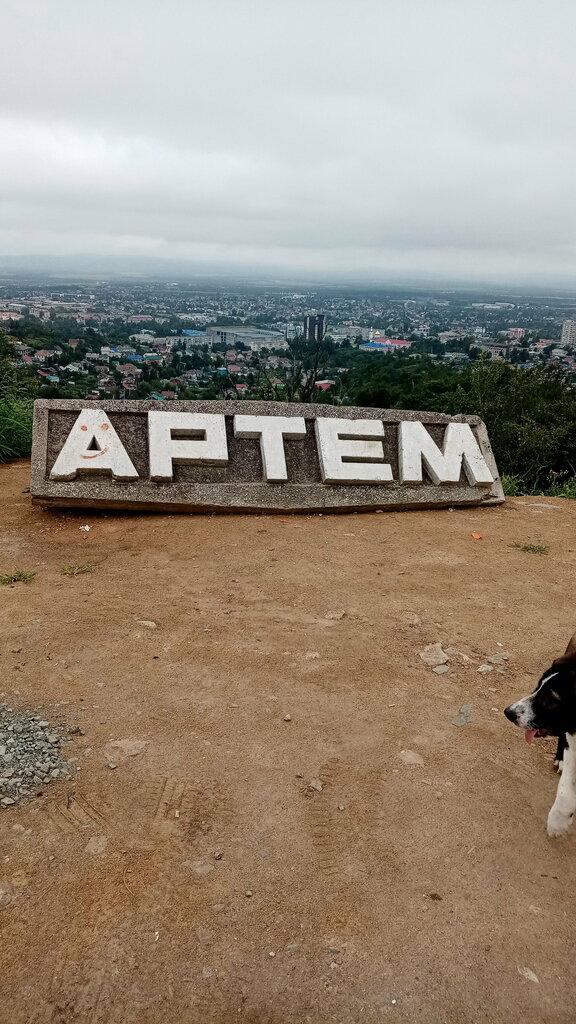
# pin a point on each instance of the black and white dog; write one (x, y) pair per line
(551, 711)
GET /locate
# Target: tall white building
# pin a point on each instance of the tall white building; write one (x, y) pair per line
(568, 337)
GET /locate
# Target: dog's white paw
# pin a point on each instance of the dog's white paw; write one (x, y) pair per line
(559, 766)
(558, 823)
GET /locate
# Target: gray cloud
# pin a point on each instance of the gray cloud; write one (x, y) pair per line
(312, 135)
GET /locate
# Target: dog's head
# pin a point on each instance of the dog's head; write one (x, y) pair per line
(551, 709)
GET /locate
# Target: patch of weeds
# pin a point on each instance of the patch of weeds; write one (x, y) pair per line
(533, 549)
(19, 576)
(77, 570)
(512, 486)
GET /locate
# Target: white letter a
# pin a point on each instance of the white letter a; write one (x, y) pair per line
(93, 446)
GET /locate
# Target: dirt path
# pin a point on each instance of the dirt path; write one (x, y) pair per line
(409, 892)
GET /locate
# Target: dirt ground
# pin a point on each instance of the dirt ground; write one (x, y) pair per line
(201, 880)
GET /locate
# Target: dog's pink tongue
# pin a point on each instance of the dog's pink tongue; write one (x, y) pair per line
(529, 734)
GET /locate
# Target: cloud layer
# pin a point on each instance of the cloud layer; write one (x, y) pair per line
(310, 135)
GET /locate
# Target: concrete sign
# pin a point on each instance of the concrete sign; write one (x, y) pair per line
(257, 457)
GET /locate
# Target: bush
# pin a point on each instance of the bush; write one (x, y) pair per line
(15, 427)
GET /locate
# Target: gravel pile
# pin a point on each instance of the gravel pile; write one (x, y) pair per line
(30, 754)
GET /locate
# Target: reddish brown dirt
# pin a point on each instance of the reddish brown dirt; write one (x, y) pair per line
(420, 900)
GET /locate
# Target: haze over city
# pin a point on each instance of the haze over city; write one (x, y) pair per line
(410, 140)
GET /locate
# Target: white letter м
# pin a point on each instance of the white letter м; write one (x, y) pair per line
(416, 446)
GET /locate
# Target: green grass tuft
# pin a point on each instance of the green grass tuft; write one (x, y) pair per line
(533, 549)
(19, 576)
(77, 570)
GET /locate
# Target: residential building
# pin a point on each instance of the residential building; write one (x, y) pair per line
(314, 327)
(568, 336)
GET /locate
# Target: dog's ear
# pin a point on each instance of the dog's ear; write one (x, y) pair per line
(570, 651)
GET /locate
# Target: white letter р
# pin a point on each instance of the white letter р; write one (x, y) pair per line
(185, 438)
(93, 446)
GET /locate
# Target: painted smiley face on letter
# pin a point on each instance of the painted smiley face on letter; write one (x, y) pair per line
(100, 450)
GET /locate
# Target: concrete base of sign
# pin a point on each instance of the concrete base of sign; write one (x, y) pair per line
(238, 486)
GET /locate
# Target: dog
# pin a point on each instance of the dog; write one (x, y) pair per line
(551, 711)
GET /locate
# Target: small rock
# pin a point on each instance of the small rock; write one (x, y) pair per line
(484, 669)
(411, 757)
(112, 766)
(118, 750)
(6, 801)
(85, 529)
(292, 947)
(96, 845)
(207, 972)
(287, 718)
(464, 715)
(218, 855)
(147, 622)
(316, 784)
(75, 730)
(527, 973)
(6, 893)
(498, 659)
(248, 893)
(199, 867)
(441, 669)
(434, 655)
(341, 807)
(311, 655)
(335, 615)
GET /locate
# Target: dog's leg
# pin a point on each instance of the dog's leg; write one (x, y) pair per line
(563, 808)
(559, 759)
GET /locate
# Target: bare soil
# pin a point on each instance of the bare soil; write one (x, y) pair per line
(397, 891)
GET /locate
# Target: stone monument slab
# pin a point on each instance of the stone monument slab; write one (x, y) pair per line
(242, 456)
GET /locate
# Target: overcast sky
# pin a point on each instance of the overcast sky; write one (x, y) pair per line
(345, 136)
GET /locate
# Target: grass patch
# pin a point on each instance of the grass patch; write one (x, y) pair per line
(533, 549)
(15, 427)
(19, 576)
(77, 570)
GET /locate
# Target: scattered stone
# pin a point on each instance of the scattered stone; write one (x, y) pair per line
(464, 715)
(6, 893)
(316, 784)
(527, 973)
(441, 669)
(434, 655)
(96, 846)
(199, 867)
(484, 669)
(411, 757)
(498, 659)
(30, 754)
(119, 750)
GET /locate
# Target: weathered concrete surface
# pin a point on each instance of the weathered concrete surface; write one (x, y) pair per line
(238, 486)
